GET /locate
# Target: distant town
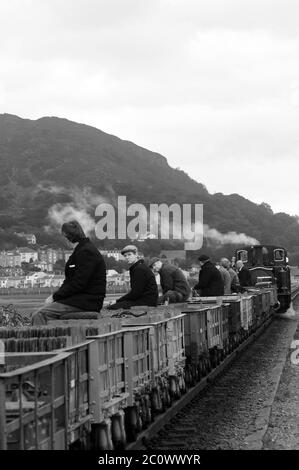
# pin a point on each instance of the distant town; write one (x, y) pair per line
(37, 266)
(43, 267)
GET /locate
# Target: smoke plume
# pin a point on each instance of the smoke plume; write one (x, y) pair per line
(228, 238)
(82, 204)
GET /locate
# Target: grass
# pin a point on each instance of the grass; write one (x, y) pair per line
(27, 304)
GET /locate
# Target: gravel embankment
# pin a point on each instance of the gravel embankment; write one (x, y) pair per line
(233, 412)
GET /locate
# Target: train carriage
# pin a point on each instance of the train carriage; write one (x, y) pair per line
(105, 380)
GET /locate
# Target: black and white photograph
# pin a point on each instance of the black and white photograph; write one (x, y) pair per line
(149, 230)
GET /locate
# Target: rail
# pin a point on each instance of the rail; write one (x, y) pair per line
(294, 292)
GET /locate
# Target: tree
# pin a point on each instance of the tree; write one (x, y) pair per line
(29, 267)
(266, 206)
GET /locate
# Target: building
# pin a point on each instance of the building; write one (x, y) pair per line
(10, 259)
(194, 269)
(51, 255)
(28, 255)
(3, 282)
(44, 266)
(146, 236)
(172, 255)
(11, 271)
(17, 282)
(30, 237)
(57, 280)
(116, 254)
(34, 279)
(51, 280)
(48, 255)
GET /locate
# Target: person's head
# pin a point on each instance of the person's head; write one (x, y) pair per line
(155, 264)
(239, 264)
(225, 263)
(203, 259)
(73, 231)
(130, 253)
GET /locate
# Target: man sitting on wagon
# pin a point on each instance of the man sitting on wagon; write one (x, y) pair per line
(144, 290)
(174, 285)
(84, 287)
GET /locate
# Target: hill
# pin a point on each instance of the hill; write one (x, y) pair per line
(51, 165)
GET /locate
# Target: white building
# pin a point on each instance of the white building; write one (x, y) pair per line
(10, 259)
(30, 237)
(3, 282)
(17, 281)
(34, 279)
(57, 280)
(45, 266)
(51, 280)
(116, 254)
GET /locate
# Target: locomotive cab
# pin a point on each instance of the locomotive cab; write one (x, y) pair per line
(268, 265)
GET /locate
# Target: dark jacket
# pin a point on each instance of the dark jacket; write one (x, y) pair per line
(144, 289)
(235, 286)
(85, 278)
(210, 281)
(172, 278)
(244, 277)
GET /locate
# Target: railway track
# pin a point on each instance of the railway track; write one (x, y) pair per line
(295, 293)
(209, 410)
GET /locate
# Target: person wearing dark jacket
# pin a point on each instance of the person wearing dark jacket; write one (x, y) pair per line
(174, 285)
(144, 290)
(243, 274)
(84, 287)
(210, 282)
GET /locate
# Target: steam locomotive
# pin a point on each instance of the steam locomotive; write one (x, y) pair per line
(268, 265)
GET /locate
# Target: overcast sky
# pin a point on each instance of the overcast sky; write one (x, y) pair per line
(213, 85)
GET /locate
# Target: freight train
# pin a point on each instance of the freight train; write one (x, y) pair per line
(97, 384)
(268, 265)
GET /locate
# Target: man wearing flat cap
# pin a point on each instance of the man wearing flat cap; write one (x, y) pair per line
(174, 285)
(210, 282)
(144, 289)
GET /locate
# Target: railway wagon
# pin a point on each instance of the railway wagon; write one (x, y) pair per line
(120, 386)
(168, 354)
(113, 376)
(42, 405)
